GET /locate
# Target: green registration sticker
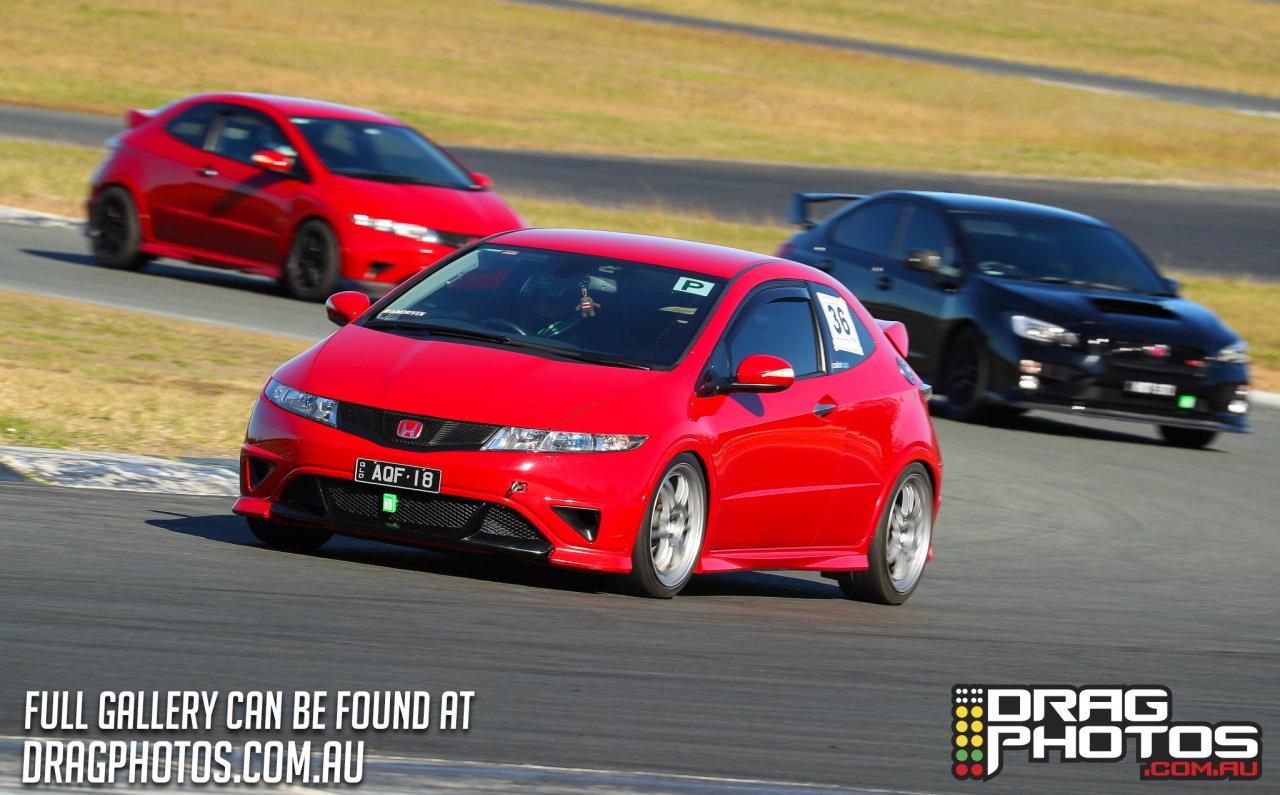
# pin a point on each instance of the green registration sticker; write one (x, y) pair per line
(1186, 401)
(389, 503)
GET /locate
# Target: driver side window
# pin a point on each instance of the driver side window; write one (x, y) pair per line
(778, 322)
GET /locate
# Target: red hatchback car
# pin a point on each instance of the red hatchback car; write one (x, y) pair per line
(311, 193)
(611, 402)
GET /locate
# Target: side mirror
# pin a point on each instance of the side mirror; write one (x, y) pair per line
(344, 307)
(268, 160)
(762, 373)
(1172, 285)
(922, 259)
(481, 180)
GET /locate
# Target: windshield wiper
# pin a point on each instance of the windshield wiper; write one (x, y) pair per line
(1078, 283)
(435, 329)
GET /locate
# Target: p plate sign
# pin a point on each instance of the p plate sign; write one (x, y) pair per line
(844, 335)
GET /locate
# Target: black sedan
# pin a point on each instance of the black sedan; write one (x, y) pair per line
(1013, 306)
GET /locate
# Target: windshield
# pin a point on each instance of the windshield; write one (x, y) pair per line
(1051, 250)
(607, 311)
(380, 152)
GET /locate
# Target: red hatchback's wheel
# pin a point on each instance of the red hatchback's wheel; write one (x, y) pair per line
(900, 547)
(670, 538)
(315, 262)
(115, 232)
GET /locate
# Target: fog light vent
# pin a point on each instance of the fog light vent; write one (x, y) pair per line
(586, 521)
(257, 470)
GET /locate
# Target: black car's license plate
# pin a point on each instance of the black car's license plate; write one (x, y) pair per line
(1150, 388)
(401, 476)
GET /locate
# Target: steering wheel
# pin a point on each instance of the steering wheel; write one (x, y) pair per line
(505, 323)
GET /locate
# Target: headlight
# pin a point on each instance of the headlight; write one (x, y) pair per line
(1040, 331)
(1235, 353)
(415, 231)
(531, 440)
(303, 404)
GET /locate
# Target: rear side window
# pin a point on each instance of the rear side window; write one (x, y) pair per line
(778, 322)
(872, 229)
(243, 133)
(192, 125)
(847, 339)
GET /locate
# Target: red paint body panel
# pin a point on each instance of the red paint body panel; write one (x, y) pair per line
(789, 488)
(201, 207)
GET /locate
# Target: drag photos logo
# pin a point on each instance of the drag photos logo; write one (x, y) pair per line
(1094, 723)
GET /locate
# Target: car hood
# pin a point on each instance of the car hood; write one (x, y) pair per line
(461, 381)
(1114, 314)
(468, 212)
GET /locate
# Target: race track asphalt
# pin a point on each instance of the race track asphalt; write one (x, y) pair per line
(1067, 552)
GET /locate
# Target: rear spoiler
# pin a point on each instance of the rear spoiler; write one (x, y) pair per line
(800, 205)
(136, 117)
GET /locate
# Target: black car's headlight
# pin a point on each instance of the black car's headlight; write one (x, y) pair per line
(304, 404)
(1235, 353)
(532, 440)
(1042, 331)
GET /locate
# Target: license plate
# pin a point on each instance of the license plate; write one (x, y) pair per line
(400, 476)
(1150, 388)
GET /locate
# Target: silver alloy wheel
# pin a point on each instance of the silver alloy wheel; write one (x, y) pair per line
(909, 532)
(676, 524)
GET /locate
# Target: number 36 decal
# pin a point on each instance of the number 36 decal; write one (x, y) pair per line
(844, 335)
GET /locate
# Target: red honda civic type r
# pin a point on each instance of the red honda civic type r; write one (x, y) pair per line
(611, 402)
(311, 193)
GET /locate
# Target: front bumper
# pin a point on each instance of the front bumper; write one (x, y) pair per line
(1089, 383)
(295, 471)
(374, 261)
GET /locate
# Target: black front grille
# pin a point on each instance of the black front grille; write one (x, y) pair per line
(456, 239)
(417, 515)
(380, 426)
(1156, 358)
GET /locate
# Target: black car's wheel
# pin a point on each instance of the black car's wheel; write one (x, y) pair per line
(1190, 438)
(965, 376)
(280, 536)
(115, 232)
(900, 546)
(669, 540)
(315, 262)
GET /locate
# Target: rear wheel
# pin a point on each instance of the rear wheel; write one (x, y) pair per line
(315, 262)
(1190, 438)
(280, 536)
(900, 546)
(115, 233)
(966, 374)
(669, 541)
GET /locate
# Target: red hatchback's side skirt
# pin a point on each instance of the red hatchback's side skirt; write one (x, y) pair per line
(802, 558)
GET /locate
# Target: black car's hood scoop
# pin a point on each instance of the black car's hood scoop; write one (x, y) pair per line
(1119, 306)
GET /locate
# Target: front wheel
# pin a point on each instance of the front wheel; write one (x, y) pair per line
(315, 262)
(669, 540)
(1190, 438)
(966, 374)
(115, 233)
(900, 546)
(298, 539)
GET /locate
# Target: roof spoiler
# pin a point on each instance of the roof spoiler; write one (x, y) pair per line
(800, 205)
(136, 117)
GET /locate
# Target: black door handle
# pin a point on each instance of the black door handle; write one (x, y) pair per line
(823, 409)
(884, 282)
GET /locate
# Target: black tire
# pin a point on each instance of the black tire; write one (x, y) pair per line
(966, 375)
(661, 571)
(879, 583)
(298, 539)
(314, 266)
(115, 233)
(1190, 438)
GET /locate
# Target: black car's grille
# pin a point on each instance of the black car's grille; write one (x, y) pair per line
(380, 426)
(1150, 357)
(417, 516)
